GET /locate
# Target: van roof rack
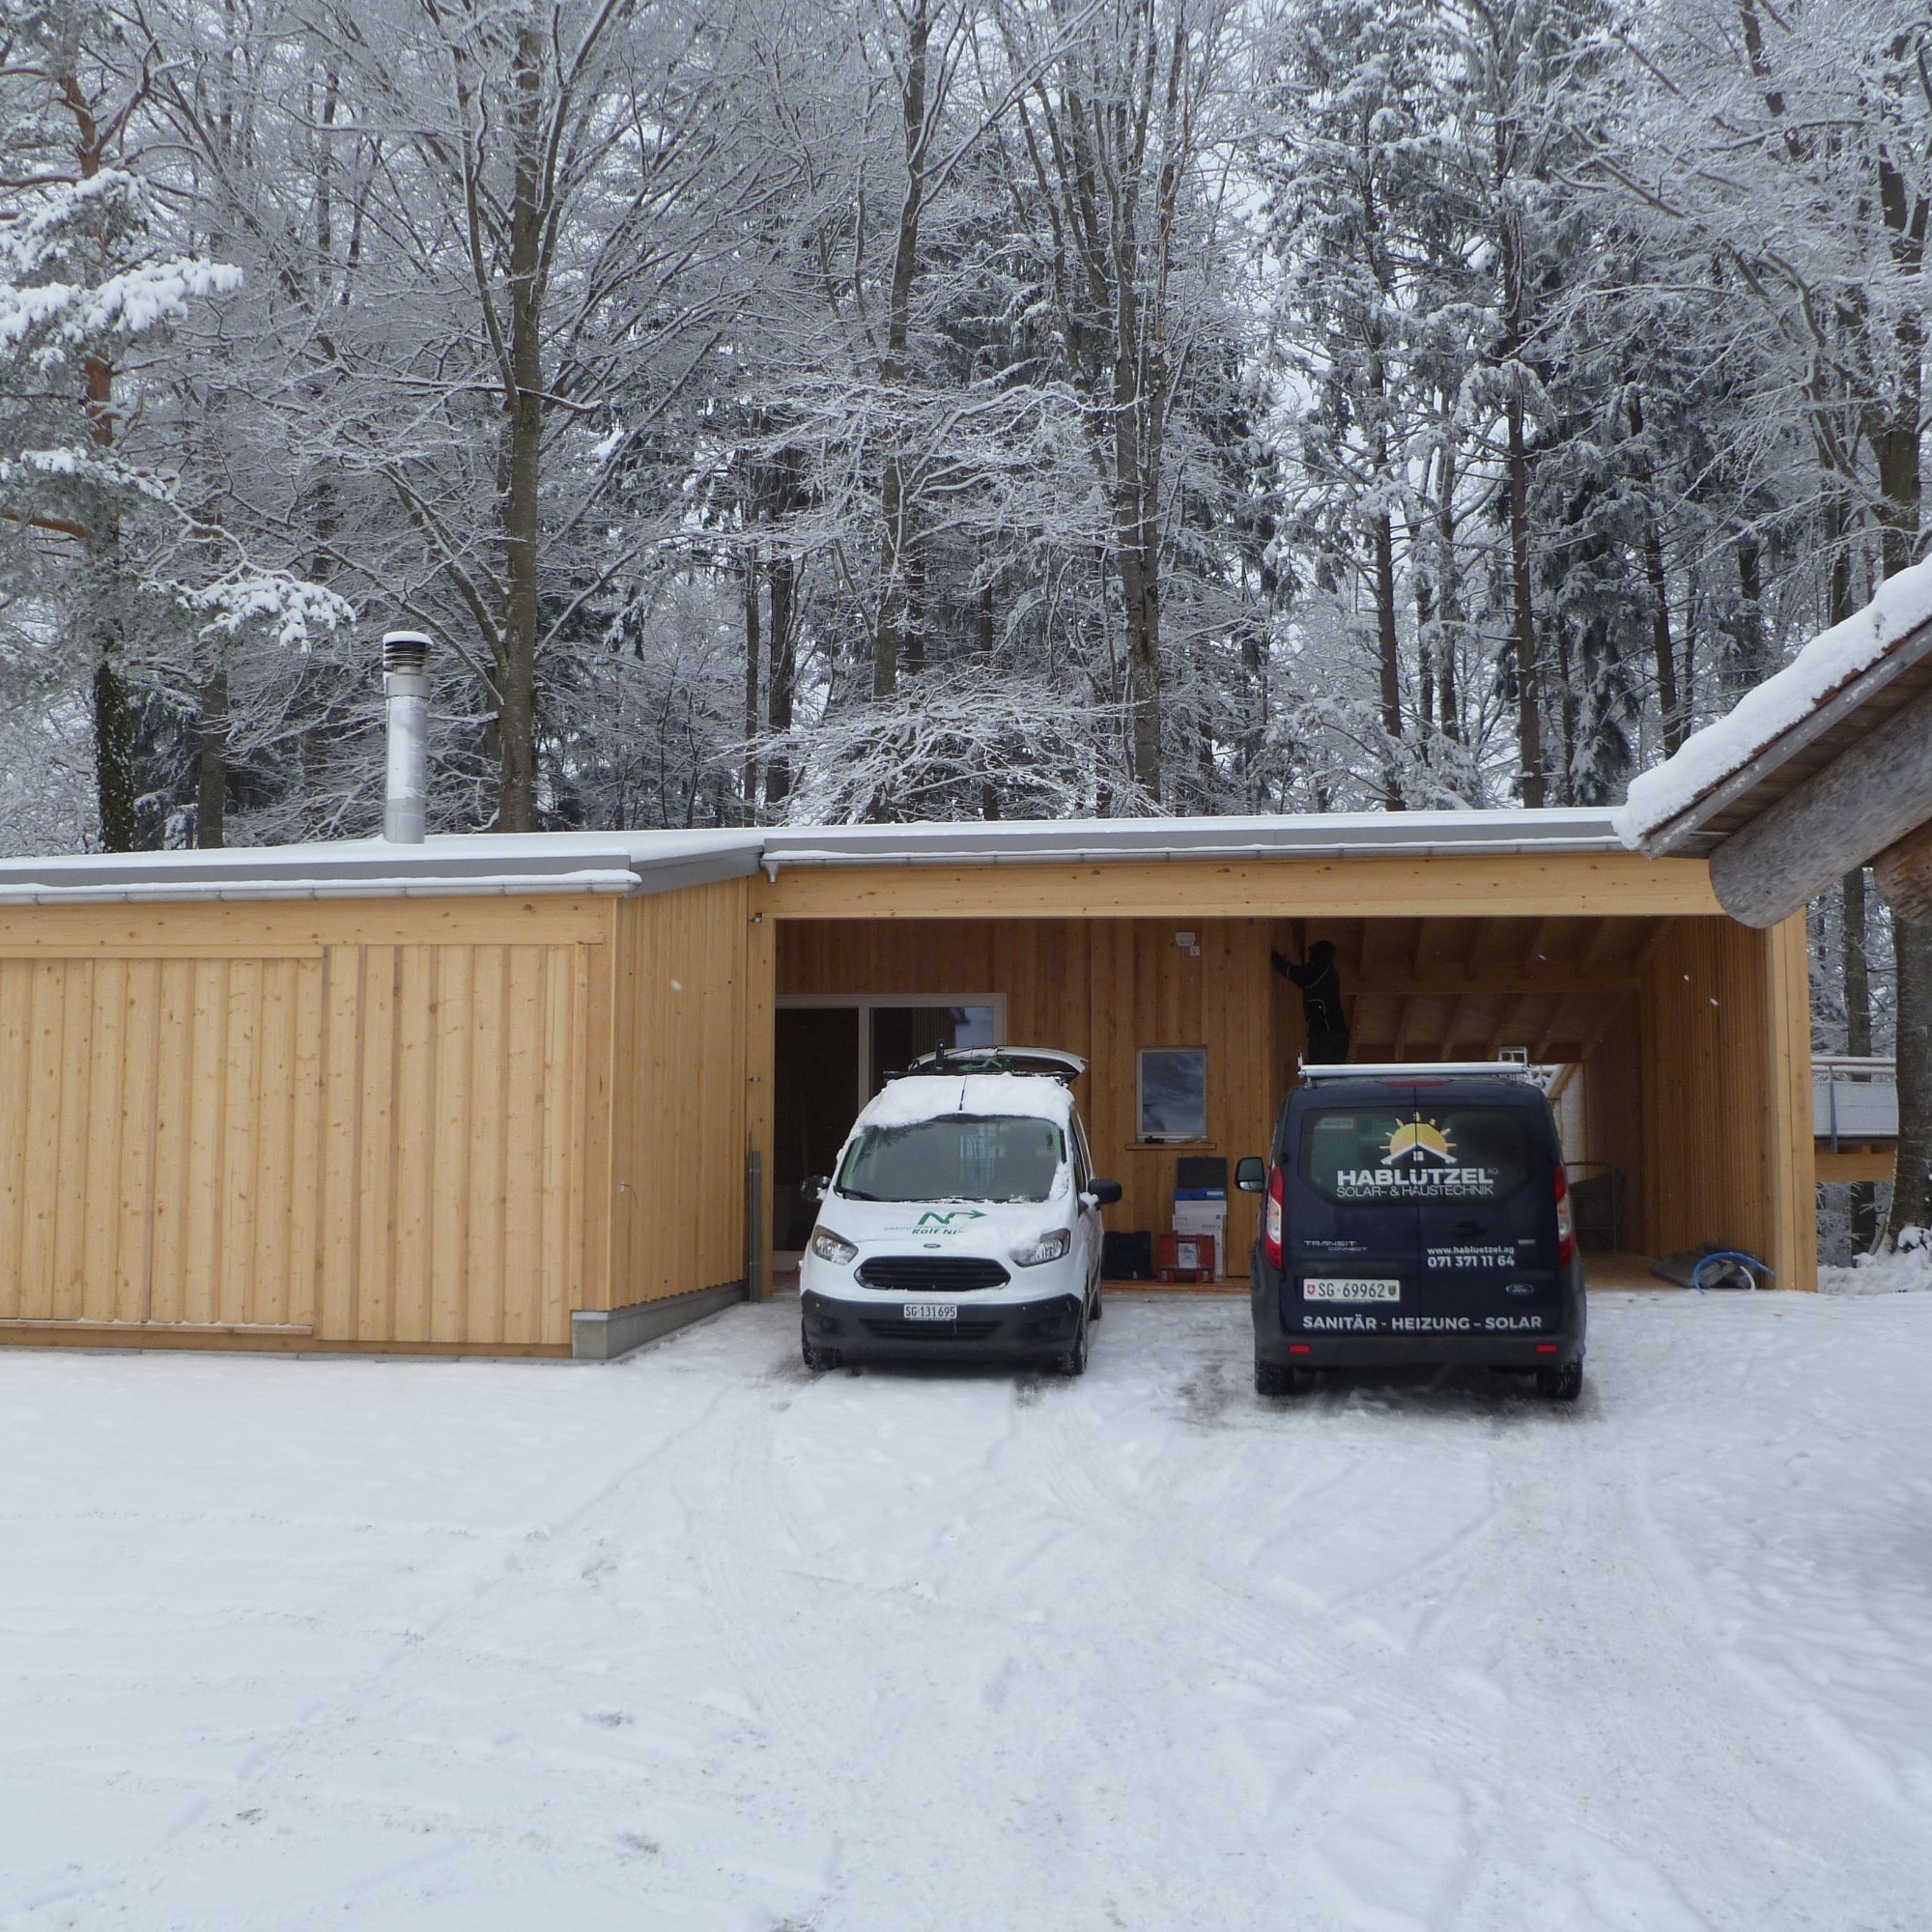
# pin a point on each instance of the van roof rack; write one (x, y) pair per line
(1047, 1060)
(1402, 1069)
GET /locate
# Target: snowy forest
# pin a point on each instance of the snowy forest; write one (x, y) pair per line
(872, 408)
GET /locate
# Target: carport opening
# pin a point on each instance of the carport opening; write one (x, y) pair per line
(1654, 1029)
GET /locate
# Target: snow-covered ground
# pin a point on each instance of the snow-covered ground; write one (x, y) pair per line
(694, 1642)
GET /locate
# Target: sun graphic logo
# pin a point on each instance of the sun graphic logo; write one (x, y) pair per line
(1416, 1143)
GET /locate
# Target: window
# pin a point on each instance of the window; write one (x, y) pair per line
(1173, 1093)
(1417, 1153)
(960, 1157)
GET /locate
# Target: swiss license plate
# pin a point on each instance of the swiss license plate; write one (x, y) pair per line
(1349, 1287)
(932, 1311)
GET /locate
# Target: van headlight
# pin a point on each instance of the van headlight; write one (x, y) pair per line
(1049, 1247)
(831, 1247)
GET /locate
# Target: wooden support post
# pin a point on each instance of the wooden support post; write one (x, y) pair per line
(762, 964)
(1790, 1147)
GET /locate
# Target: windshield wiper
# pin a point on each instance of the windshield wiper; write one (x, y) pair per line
(858, 1193)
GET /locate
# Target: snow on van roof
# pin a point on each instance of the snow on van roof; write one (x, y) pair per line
(929, 1097)
(1830, 664)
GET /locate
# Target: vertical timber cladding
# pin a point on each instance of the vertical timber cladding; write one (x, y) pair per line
(158, 1161)
(679, 1115)
(1102, 988)
(356, 1123)
(459, 1117)
(1727, 1094)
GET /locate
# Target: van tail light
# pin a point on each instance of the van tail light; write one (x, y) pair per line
(1272, 1220)
(1566, 1221)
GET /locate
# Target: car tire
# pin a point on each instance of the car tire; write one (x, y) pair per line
(1564, 1384)
(816, 1358)
(1277, 1378)
(1074, 1361)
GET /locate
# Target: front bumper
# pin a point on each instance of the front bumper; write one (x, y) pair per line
(875, 1328)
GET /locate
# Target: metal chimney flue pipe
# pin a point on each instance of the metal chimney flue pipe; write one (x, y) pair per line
(406, 688)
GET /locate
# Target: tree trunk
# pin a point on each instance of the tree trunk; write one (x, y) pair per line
(1388, 656)
(1448, 603)
(210, 789)
(1753, 649)
(783, 677)
(1912, 1181)
(889, 639)
(753, 669)
(114, 757)
(1858, 1033)
(1529, 708)
(1899, 469)
(516, 664)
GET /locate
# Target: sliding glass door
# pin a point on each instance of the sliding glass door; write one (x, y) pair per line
(833, 1055)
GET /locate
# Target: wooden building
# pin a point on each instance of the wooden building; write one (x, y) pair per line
(555, 1093)
(1823, 768)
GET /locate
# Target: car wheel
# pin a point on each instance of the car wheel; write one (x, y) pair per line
(1564, 1384)
(1074, 1361)
(816, 1358)
(1277, 1378)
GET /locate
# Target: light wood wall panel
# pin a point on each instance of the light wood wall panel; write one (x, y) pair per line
(1101, 988)
(1611, 1080)
(1443, 885)
(1585, 986)
(679, 1120)
(1725, 1071)
(159, 1163)
(458, 1094)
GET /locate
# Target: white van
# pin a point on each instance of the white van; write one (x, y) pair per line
(962, 1219)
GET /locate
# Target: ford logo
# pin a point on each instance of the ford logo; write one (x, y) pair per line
(1520, 1288)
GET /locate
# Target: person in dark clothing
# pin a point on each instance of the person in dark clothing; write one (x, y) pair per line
(1321, 1003)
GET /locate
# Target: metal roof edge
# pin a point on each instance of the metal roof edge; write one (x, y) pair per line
(650, 863)
(1589, 830)
(368, 869)
(426, 886)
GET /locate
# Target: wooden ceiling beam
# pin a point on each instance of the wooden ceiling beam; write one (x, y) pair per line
(1546, 1037)
(1552, 978)
(1419, 952)
(1600, 943)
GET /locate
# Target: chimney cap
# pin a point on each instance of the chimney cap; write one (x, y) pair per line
(405, 650)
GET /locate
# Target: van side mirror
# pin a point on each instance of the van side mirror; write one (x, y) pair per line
(1251, 1174)
(1103, 1193)
(814, 1187)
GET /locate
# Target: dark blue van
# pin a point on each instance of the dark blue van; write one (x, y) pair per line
(1416, 1215)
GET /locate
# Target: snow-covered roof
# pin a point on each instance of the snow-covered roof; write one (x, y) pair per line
(488, 863)
(1789, 725)
(449, 866)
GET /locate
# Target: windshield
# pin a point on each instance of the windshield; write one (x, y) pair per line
(957, 1158)
(1416, 1153)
